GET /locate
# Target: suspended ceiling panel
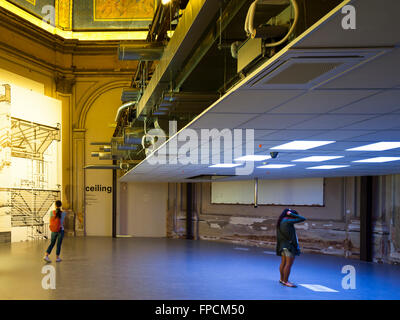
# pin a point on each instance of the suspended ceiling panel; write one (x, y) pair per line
(354, 102)
(376, 25)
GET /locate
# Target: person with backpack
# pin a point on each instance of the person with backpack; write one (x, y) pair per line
(57, 218)
(287, 244)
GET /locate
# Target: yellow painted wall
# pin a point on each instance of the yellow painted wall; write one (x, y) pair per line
(99, 203)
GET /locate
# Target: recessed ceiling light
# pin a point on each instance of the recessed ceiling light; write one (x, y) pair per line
(379, 146)
(276, 166)
(328, 167)
(379, 159)
(302, 145)
(253, 158)
(225, 165)
(318, 158)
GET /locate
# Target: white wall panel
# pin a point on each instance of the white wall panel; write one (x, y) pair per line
(277, 192)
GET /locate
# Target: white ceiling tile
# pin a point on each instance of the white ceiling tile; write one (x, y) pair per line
(322, 101)
(259, 133)
(274, 121)
(254, 101)
(331, 122)
(378, 123)
(288, 134)
(392, 135)
(338, 135)
(374, 21)
(221, 120)
(384, 102)
(381, 73)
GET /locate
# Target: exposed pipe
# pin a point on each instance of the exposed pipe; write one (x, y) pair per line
(123, 107)
(296, 20)
(249, 27)
(255, 192)
(149, 52)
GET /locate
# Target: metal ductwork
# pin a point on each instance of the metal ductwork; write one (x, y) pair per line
(130, 94)
(270, 24)
(122, 108)
(102, 155)
(147, 52)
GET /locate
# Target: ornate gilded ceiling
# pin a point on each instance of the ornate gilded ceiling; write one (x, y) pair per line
(85, 18)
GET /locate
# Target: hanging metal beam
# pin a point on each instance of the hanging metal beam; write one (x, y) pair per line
(227, 16)
(197, 16)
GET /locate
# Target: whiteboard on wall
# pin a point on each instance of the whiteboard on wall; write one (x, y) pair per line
(300, 192)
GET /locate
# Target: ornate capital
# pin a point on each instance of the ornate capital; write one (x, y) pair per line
(7, 96)
(64, 84)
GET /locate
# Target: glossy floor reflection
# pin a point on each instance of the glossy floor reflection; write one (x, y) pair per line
(138, 268)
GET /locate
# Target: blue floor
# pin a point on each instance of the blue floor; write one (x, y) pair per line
(166, 269)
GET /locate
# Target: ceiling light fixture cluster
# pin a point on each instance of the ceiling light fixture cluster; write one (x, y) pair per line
(306, 145)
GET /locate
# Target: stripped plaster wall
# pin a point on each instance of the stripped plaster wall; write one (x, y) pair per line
(333, 229)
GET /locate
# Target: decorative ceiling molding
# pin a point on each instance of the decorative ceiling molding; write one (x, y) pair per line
(65, 22)
(64, 14)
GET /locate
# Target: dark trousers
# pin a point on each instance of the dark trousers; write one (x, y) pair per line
(56, 237)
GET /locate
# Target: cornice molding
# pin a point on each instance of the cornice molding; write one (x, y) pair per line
(103, 35)
(7, 96)
(20, 29)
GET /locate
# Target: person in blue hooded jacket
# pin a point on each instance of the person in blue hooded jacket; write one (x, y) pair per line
(287, 245)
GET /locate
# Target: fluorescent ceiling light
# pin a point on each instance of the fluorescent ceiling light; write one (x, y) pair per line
(225, 165)
(379, 146)
(318, 158)
(328, 167)
(302, 145)
(253, 158)
(379, 159)
(276, 166)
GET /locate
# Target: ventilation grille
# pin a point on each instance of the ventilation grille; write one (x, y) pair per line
(309, 68)
(302, 73)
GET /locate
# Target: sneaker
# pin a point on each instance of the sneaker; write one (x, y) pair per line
(58, 260)
(47, 259)
(289, 284)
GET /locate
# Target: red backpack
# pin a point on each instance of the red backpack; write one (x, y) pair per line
(55, 223)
